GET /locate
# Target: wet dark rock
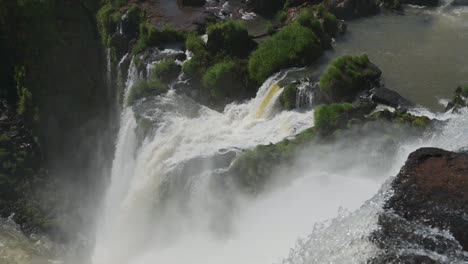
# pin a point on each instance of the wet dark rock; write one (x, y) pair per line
(430, 196)
(192, 2)
(382, 95)
(431, 3)
(180, 56)
(350, 9)
(458, 101)
(460, 2)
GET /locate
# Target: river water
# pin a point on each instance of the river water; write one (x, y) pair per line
(155, 212)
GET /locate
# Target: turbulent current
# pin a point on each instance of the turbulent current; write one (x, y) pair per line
(165, 203)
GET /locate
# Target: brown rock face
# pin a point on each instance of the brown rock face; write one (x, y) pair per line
(430, 196)
(432, 188)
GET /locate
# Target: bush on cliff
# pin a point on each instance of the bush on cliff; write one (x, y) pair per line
(227, 78)
(348, 75)
(152, 37)
(294, 45)
(166, 70)
(145, 88)
(196, 66)
(229, 38)
(108, 18)
(328, 117)
(252, 170)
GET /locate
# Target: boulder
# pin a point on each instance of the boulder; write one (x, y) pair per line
(350, 9)
(459, 99)
(430, 196)
(382, 95)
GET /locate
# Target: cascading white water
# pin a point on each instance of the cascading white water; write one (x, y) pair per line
(147, 217)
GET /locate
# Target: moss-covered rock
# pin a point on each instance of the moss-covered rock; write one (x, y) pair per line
(166, 70)
(348, 75)
(150, 36)
(145, 88)
(459, 99)
(288, 97)
(228, 78)
(294, 45)
(252, 170)
(330, 117)
(229, 38)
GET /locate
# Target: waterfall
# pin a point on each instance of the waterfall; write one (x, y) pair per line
(134, 210)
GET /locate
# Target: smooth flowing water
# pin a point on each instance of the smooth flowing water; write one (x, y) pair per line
(422, 54)
(161, 208)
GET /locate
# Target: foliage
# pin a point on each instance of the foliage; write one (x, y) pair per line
(252, 170)
(347, 75)
(166, 70)
(152, 37)
(327, 117)
(288, 97)
(294, 45)
(108, 18)
(195, 44)
(146, 88)
(230, 38)
(226, 78)
(282, 16)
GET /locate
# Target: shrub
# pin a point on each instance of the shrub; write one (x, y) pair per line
(282, 16)
(145, 88)
(195, 67)
(166, 70)
(225, 78)
(107, 19)
(288, 97)
(328, 117)
(330, 24)
(294, 45)
(230, 38)
(152, 37)
(195, 44)
(348, 75)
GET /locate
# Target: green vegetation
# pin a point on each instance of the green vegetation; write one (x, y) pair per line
(252, 170)
(108, 18)
(294, 45)
(158, 83)
(229, 38)
(219, 76)
(152, 37)
(227, 79)
(166, 70)
(348, 75)
(146, 88)
(329, 117)
(401, 118)
(288, 97)
(282, 16)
